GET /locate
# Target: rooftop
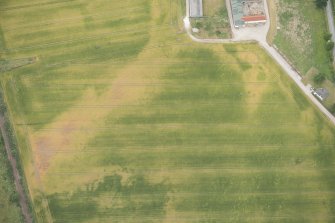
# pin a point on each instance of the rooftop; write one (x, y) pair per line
(247, 11)
(322, 92)
(196, 9)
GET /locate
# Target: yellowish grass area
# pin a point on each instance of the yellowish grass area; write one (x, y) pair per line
(273, 21)
(53, 161)
(210, 7)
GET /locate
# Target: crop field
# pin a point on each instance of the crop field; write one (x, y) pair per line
(123, 119)
(301, 35)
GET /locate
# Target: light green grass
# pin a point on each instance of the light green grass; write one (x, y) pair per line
(300, 38)
(146, 126)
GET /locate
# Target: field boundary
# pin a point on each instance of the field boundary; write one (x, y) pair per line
(15, 162)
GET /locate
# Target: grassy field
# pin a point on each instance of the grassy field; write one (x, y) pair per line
(9, 207)
(300, 37)
(124, 119)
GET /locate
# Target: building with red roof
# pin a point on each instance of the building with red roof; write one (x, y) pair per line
(248, 12)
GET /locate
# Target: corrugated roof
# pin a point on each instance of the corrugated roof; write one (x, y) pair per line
(254, 18)
(196, 8)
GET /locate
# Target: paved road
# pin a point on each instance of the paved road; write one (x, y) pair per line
(331, 25)
(18, 186)
(259, 34)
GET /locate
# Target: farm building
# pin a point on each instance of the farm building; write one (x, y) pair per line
(248, 12)
(196, 9)
(320, 93)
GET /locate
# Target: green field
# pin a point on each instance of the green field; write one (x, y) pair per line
(9, 207)
(124, 119)
(300, 37)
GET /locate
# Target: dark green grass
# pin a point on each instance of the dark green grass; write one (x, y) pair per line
(333, 7)
(9, 207)
(140, 199)
(315, 54)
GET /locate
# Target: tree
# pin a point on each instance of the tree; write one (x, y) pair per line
(332, 109)
(330, 45)
(327, 36)
(321, 3)
(198, 25)
(319, 78)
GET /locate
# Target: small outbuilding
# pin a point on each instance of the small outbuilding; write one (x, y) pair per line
(320, 93)
(323, 92)
(196, 9)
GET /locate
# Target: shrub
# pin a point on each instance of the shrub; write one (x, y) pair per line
(327, 36)
(321, 3)
(330, 45)
(198, 25)
(319, 78)
(208, 27)
(332, 109)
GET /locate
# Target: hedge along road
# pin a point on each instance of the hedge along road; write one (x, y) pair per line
(331, 26)
(18, 186)
(258, 34)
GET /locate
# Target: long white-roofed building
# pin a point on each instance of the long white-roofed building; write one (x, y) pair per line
(196, 9)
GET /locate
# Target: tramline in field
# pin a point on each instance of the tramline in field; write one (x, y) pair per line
(124, 119)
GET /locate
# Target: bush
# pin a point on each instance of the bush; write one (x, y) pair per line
(330, 45)
(332, 109)
(319, 78)
(208, 27)
(321, 3)
(327, 36)
(14, 198)
(198, 25)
